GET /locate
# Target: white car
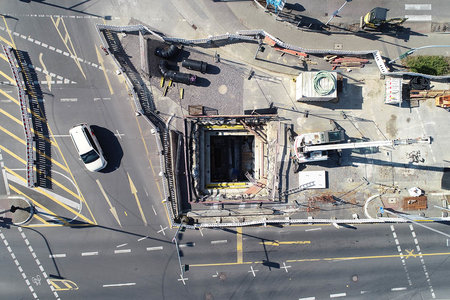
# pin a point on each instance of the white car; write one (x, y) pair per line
(88, 147)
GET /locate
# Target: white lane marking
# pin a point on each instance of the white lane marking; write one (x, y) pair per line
(89, 253)
(219, 242)
(24, 276)
(186, 245)
(142, 238)
(121, 245)
(402, 258)
(253, 271)
(162, 229)
(418, 18)
(58, 197)
(424, 267)
(119, 284)
(417, 6)
(154, 211)
(154, 248)
(68, 99)
(122, 251)
(37, 279)
(57, 255)
(182, 279)
(313, 229)
(338, 295)
(286, 267)
(398, 289)
(307, 298)
(5, 178)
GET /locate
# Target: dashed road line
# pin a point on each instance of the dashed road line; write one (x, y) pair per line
(121, 245)
(119, 284)
(417, 6)
(122, 251)
(313, 229)
(142, 238)
(338, 295)
(38, 263)
(89, 253)
(61, 255)
(399, 289)
(16, 262)
(427, 276)
(418, 18)
(219, 242)
(154, 248)
(399, 249)
(307, 298)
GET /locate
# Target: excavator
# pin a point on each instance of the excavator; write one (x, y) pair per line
(312, 147)
(376, 20)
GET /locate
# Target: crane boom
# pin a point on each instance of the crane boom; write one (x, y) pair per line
(348, 146)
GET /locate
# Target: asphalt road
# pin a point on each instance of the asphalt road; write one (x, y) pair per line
(131, 255)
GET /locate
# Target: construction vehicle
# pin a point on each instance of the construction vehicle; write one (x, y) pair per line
(312, 147)
(376, 20)
(443, 101)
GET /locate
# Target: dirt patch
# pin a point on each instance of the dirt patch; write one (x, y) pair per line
(391, 126)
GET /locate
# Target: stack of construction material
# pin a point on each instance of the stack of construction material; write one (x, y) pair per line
(346, 62)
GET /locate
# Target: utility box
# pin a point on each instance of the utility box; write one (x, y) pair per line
(317, 86)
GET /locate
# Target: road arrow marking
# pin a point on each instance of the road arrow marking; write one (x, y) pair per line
(112, 209)
(134, 192)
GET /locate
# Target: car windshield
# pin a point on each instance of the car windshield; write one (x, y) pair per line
(89, 157)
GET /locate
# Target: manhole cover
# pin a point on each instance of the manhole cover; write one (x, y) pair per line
(338, 46)
(355, 278)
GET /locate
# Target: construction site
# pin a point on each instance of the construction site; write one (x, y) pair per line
(312, 140)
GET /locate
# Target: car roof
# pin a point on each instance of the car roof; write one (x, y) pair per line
(80, 138)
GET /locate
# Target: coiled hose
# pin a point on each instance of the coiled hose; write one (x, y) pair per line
(319, 87)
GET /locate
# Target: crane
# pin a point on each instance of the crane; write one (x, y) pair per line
(310, 147)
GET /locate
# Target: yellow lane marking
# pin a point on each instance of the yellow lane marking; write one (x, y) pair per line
(40, 219)
(100, 60)
(7, 77)
(47, 74)
(134, 192)
(66, 284)
(20, 123)
(39, 152)
(3, 56)
(63, 187)
(410, 253)
(278, 243)
(112, 209)
(226, 264)
(67, 39)
(320, 259)
(9, 32)
(11, 117)
(6, 41)
(37, 204)
(13, 155)
(239, 245)
(151, 165)
(42, 191)
(9, 97)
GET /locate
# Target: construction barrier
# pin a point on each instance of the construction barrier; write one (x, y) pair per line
(25, 116)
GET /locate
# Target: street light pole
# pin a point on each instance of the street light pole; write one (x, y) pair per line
(335, 13)
(411, 51)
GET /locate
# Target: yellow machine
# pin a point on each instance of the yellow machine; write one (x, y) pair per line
(376, 19)
(443, 101)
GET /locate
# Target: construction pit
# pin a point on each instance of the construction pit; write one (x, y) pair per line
(239, 161)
